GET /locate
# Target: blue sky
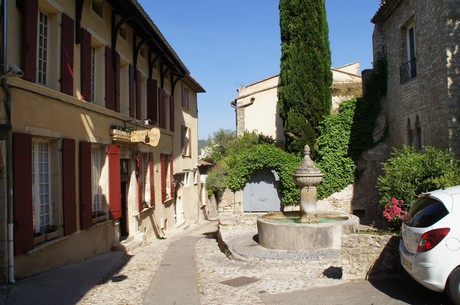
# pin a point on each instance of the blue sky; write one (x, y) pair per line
(229, 44)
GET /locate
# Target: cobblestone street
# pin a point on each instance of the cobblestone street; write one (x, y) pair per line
(221, 280)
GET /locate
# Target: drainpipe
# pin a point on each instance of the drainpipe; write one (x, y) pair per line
(9, 149)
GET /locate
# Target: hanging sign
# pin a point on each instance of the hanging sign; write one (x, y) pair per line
(149, 137)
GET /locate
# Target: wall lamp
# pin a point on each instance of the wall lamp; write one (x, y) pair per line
(13, 71)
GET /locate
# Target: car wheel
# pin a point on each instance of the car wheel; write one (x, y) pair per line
(453, 286)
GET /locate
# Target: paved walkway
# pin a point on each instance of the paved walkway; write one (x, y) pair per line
(175, 281)
(189, 268)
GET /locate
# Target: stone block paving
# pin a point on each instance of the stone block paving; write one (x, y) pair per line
(221, 280)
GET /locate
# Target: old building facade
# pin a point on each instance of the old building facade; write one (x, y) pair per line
(419, 40)
(99, 134)
(256, 106)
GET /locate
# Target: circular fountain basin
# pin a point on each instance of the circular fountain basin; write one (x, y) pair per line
(285, 231)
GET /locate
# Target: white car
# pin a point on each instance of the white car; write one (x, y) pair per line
(430, 241)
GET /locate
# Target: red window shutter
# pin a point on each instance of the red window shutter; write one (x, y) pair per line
(171, 113)
(152, 184)
(29, 37)
(67, 37)
(162, 109)
(163, 165)
(116, 101)
(152, 100)
(22, 189)
(108, 78)
(86, 194)
(138, 95)
(139, 180)
(132, 92)
(69, 186)
(86, 65)
(114, 181)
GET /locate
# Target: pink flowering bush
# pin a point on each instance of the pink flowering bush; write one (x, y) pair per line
(395, 213)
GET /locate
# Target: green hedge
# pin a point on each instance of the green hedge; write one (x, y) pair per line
(266, 156)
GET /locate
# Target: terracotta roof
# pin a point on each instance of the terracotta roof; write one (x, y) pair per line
(387, 7)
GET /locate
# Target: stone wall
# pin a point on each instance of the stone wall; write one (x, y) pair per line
(369, 256)
(429, 103)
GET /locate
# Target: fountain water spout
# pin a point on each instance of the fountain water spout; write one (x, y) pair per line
(307, 176)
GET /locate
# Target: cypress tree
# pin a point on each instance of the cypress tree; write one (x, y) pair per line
(304, 96)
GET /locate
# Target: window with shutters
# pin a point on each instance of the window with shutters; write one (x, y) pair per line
(44, 209)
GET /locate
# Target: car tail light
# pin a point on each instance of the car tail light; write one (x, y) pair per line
(431, 238)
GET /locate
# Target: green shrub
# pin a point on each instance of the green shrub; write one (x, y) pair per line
(332, 155)
(409, 173)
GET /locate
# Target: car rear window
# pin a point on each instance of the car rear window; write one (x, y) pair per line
(425, 212)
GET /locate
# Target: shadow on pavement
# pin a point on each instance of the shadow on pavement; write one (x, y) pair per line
(407, 290)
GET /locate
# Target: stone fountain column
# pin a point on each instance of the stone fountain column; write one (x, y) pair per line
(307, 176)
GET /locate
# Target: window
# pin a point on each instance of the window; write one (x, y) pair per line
(96, 169)
(410, 41)
(425, 212)
(93, 75)
(42, 49)
(408, 70)
(41, 186)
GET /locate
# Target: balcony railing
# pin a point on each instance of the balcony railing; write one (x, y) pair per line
(408, 71)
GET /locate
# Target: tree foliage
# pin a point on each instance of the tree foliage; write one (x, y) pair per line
(219, 144)
(304, 96)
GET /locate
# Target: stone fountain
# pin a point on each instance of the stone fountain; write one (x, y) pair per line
(307, 229)
(307, 176)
